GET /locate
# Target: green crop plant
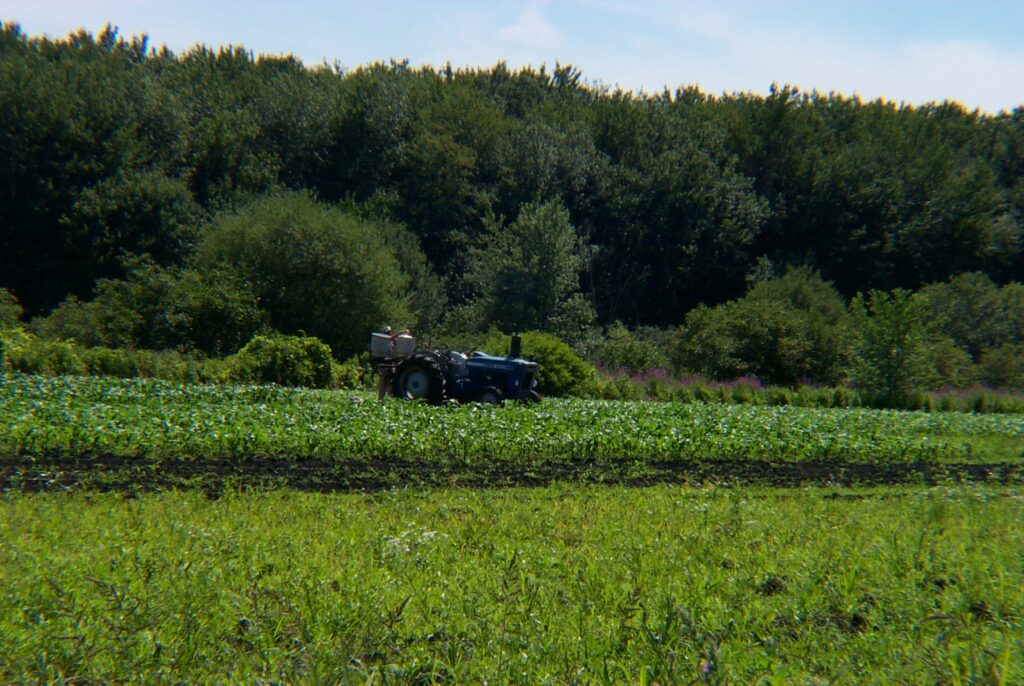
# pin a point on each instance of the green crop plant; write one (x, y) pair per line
(152, 420)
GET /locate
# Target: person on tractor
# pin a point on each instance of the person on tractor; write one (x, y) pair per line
(385, 372)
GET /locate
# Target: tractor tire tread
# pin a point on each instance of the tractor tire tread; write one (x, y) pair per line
(436, 392)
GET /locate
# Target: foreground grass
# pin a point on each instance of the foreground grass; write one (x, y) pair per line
(82, 416)
(592, 585)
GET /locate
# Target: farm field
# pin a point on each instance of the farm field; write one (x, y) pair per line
(608, 585)
(71, 431)
(479, 544)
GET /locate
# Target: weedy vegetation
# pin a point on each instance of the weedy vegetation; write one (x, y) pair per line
(565, 585)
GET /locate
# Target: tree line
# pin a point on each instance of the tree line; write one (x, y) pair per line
(191, 201)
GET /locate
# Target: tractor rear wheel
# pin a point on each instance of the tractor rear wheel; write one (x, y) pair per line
(419, 377)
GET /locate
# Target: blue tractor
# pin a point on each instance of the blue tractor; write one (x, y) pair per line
(438, 375)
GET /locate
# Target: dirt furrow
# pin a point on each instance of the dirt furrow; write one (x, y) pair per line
(110, 472)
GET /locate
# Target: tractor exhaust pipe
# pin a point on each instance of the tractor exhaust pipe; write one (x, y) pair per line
(516, 348)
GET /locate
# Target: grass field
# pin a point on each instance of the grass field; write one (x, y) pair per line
(561, 585)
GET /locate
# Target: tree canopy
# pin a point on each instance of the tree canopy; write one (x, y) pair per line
(333, 199)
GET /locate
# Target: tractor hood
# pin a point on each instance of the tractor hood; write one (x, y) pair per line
(494, 360)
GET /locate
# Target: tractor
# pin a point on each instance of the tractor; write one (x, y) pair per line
(437, 375)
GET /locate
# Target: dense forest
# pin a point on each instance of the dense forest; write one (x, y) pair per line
(155, 200)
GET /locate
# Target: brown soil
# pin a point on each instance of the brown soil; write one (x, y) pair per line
(113, 473)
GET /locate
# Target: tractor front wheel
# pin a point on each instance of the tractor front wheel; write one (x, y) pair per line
(489, 396)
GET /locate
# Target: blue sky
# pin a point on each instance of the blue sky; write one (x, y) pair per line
(904, 50)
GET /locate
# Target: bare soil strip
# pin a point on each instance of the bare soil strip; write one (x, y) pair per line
(114, 473)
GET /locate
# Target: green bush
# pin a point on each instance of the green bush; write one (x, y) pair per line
(292, 361)
(56, 358)
(14, 342)
(283, 360)
(156, 364)
(213, 311)
(618, 387)
(622, 350)
(971, 310)
(104, 321)
(846, 397)
(354, 373)
(784, 331)
(560, 370)
(154, 308)
(953, 365)
(747, 338)
(111, 362)
(21, 351)
(1003, 367)
(314, 269)
(10, 308)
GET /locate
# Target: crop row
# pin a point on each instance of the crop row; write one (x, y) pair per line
(152, 418)
(78, 416)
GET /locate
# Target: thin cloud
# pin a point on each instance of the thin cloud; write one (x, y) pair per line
(741, 47)
(532, 31)
(973, 73)
(483, 36)
(977, 74)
